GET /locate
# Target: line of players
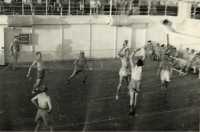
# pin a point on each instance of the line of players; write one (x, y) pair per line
(132, 61)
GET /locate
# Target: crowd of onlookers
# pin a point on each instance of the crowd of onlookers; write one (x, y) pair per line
(83, 7)
(183, 60)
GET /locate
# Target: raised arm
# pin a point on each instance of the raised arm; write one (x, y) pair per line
(131, 57)
(159, 68)
(120, 52)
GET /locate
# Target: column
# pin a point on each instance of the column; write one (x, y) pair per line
(184, 9)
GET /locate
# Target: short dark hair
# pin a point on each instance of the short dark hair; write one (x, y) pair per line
(43, 88)
(38, 53)
(140, 62)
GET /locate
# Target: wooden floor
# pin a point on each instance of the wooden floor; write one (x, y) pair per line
(92, 106)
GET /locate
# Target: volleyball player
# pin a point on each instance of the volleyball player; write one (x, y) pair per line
(124, 48)
(43, 103)
(135, 83)
(40, 71)
(124, 71)
(165, 71)
(14, 52)
(149, 49)
(80, 66)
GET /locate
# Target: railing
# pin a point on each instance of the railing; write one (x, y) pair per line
(86, 9)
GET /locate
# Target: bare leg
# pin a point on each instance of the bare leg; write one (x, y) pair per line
(127, 78)
(162, 85)
(135, 99)
(131, 97)
(136, 93)
(73, 74)
(118, 87)
(16, 60)
(138, 85)
(51, 128)
(199, 73)
(194, 69)
(84, 77)
(47, 123)
(37, 126)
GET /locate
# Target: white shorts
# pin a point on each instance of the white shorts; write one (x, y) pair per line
(136, 73)
(165, 76)
(124, 72)
(134, 85)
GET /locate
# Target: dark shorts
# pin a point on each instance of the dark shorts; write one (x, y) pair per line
(79, 69)
(42, 115)
(41, 74)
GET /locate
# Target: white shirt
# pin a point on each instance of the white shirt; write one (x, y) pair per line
(136, 73)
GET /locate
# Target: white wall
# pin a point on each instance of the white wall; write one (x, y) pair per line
(103, 41)
(64, 37)
(185, 35)
(46, 39)
(76, 38)
(124, 33)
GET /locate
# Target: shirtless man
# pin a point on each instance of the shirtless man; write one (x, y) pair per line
(43, 103)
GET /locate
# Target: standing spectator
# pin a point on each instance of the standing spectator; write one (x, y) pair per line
(14, 51)
(92, 6)
(98, 6)
(81, 6)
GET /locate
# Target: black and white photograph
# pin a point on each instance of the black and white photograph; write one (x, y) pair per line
(99, 65)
